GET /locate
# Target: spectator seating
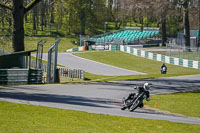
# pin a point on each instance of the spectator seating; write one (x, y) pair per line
(126, 35)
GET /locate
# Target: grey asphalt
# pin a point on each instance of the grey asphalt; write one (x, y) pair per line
(102, 98)
(72, 61)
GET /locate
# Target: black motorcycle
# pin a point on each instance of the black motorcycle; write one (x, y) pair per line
(135, 100)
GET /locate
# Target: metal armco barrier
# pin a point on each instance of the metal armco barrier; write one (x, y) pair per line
(20, 76)
(13, 76)
(35, 76)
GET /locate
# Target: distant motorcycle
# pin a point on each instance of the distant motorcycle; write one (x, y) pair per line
(135, 100)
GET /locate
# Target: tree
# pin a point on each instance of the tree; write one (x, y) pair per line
(185, 4)
(42, 14)
(80, 16)
(116, 12)
(163, 8)
(18, 13)
(163, 11)
(199, 23)
(35, 14)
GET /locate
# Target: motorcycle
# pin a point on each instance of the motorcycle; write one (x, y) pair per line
(135, 100)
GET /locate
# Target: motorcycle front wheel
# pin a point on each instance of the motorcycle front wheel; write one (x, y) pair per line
(134, 105)
(126, 104)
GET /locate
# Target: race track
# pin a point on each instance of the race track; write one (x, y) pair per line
(103, 98)
(90, 66)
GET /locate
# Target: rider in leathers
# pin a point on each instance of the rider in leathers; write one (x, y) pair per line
(144, 89)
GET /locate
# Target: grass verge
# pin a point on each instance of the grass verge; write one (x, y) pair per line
(180, 103)
(27, 118)
(31, 44)
(131, 62)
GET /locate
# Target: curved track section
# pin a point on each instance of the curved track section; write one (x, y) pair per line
(101, 98)
(90, 66)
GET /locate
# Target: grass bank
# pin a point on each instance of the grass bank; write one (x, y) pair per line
(27, 118)
(131, 62)
(30, 43)
(180, 103)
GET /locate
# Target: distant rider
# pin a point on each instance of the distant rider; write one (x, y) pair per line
(163, 69)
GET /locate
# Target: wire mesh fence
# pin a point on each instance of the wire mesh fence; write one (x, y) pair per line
(176, 48)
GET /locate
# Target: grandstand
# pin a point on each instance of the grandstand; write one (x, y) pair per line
(126, 36)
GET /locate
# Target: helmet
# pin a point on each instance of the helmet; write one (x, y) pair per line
(147, 86)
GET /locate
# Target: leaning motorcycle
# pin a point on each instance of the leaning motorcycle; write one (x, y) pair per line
(134, 101)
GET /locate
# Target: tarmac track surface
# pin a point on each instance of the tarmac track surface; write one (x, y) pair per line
(90, 66)
(102, 98)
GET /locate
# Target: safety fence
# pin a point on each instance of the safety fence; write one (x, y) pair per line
(180, 41)
(162, 58)
(190, 53)
(65, 72)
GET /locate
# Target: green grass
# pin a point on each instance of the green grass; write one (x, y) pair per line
(65, 43)
(19, 118)
(31, 43)
(131, 62)
(96, 78)
(181, 103)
